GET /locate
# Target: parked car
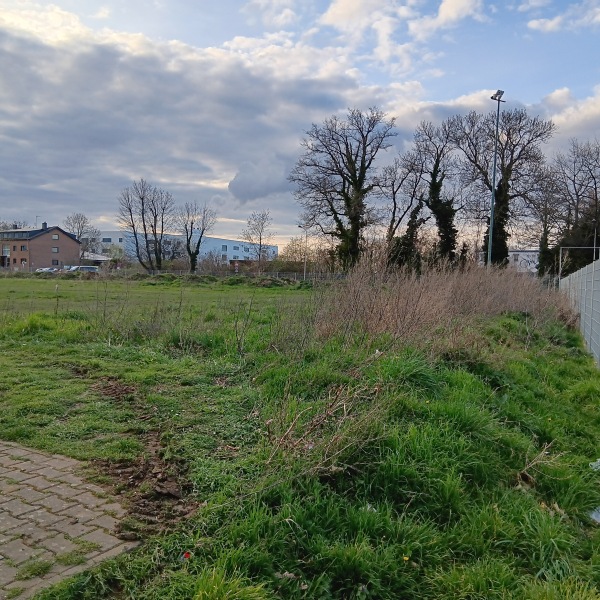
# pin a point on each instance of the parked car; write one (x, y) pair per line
(85, 269)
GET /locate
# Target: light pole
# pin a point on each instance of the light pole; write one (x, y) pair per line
(305, 247)
(595, 232)
(497, 98)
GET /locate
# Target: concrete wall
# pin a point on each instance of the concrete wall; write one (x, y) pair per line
(583, 290)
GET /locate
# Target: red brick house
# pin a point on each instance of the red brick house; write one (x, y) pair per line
(31, 249)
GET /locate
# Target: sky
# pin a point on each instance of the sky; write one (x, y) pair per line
(210, 100)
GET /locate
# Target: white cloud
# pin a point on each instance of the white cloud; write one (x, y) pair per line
(385, 27)
(359, 20)
(546, 25)
(532, 5)
(576, 16)
(559, 99)
(273, 13)
(50, 24)
(574, 118)
(350, 15)
(450, 13)
(104, 12)
(279, 55)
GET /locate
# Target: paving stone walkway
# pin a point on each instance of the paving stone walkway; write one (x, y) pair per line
(50, 520)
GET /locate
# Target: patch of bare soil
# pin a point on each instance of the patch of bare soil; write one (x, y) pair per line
(154, 492)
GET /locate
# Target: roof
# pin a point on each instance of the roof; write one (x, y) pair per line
(94, 256)
(29, 233)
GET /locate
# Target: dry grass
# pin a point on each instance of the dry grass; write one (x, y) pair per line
(438, 303)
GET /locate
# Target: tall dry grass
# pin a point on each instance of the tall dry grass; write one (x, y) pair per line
(438, 303)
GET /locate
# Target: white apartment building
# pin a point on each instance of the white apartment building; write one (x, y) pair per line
(226, 250)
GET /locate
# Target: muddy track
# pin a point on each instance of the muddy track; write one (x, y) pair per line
(155, 492)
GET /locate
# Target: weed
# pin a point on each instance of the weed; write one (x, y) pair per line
(85, 546)
(71, 558)
(215, 584)
(33, 568)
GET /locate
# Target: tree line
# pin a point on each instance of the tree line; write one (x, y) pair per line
(415, 202)
(153, 219)
(348, 193)
(150, 215)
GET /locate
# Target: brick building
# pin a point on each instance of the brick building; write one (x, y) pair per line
(30, 249)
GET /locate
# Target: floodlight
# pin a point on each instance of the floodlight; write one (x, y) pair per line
(497, 97)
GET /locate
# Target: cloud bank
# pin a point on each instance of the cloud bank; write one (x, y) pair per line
(84, 109)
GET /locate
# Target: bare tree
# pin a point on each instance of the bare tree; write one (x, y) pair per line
(294, 251)
(337, 173)
(6, 225)
(519, 160)
(195, 221)
(81, 227)
(146, 212)
(211, 262)
(259, 234)
(399, 186)
(577, 175)
(577, 179)
(294, 254)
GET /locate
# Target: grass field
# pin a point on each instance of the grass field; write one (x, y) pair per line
(344, 442)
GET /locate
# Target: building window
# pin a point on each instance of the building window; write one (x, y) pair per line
(23, 248)
(223, 256)
(120, 240)
(14, 261)
(246, 249)
(106, 240)
(23, 261)
(236, 247)
(54, 263)
(14, 248)
(246, 258)
(55, 249)
(235, 257)
(55, 236)
(224, 247)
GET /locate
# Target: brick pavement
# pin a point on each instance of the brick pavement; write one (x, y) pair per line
(50, 520)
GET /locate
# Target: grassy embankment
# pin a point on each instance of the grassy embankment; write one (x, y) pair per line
(388, 439)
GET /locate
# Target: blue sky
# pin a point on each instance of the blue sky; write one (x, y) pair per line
(210, 99)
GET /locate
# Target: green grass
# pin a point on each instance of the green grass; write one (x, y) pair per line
(350, 467)
(33, 568)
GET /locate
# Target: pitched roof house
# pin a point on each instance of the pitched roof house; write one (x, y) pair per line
(32, 248)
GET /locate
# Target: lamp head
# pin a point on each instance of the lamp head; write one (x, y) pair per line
(498, 95)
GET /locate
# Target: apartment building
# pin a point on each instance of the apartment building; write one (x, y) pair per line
(225, 250)
(28, 249)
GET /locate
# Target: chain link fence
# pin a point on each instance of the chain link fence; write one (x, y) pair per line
(583, 290)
